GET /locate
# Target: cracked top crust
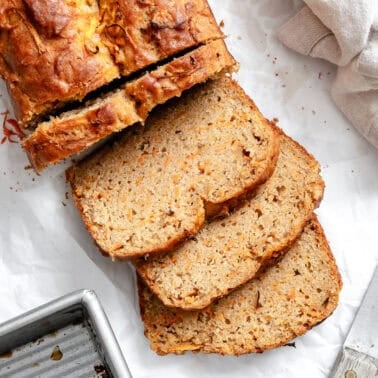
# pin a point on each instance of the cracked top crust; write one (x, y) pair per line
(141, 32)
(51, 52)
(55, 51)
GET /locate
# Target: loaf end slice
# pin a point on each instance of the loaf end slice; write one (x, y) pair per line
(281, 303)
(228, 252)
(155, 187)
(75, 131)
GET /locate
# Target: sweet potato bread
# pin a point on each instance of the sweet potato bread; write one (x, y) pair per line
(280, 304)
(155, 187)
(75, 131)
(54, 51)
(228, 252)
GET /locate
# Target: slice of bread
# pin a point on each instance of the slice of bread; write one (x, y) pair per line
(156, 186)
(280, 304)
(75, 131)
(228, 252)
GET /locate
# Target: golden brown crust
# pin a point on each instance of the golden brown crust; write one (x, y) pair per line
(156, 87)
(58, 139)
(177, 331)
(54, 51)
(63, 136)
(51, 53)
(140, 33)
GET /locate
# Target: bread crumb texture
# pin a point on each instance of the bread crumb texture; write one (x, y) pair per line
(228, 252)
(281, 303)
(156, 186)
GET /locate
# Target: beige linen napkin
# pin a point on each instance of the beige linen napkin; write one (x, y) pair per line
(344, 32)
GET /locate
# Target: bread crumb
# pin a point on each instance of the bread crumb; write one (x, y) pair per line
(291, 345)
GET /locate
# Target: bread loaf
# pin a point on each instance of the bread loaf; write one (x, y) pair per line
(54, 52)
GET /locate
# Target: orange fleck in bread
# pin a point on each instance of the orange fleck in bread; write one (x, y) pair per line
(155, 186)
(75, 131)
(228, 252)
(281, 303)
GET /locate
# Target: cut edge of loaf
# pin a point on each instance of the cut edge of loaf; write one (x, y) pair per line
(237, 204)
(210, 210)
(168, 317)
(75, 131)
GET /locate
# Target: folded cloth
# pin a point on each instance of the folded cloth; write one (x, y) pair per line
(344, 32)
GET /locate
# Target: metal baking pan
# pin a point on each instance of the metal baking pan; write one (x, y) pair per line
(69, 337)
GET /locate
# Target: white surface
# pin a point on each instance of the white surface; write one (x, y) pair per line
(45, 251)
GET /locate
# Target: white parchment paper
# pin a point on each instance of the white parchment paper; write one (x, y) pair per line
(45, 251)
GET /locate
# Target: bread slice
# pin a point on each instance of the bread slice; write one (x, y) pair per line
(228, 252)
(53, 52)
(75, 131)
(278, 305)
(156, 186)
